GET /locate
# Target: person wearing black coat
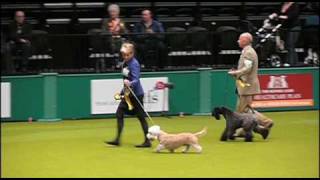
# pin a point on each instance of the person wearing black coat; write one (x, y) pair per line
(289, 16)
(18, 41)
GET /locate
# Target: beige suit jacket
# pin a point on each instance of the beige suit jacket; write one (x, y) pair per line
(248, 75)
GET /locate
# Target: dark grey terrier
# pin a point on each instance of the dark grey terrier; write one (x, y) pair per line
(237, 120)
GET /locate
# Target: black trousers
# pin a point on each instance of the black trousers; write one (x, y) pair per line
(22, 50)
(137, 110)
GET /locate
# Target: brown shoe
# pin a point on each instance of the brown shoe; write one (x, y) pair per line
(269, 125)
(265, 133)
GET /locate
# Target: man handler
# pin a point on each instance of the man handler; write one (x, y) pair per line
(247, 81)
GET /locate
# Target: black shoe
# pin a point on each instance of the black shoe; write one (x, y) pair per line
(144, 145)
(264, 133)
(114, 143)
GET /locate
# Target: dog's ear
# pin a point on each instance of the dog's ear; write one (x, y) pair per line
(216, 113)
(155, 129)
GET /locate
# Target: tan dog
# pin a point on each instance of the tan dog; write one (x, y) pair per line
(174, 141)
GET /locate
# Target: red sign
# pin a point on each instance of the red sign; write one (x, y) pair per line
(160, 85)
(284, 90)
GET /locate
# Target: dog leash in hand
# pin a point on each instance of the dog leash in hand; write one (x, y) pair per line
(141, 105)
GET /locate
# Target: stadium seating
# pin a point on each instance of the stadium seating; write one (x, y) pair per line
(75, 19)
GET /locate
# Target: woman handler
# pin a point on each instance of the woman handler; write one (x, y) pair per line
(129, 104)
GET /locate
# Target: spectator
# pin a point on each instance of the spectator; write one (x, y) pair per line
(150, 40)
(19, 35)
(289, 15)
(115, 26)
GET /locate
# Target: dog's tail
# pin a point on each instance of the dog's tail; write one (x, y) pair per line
(202, 132)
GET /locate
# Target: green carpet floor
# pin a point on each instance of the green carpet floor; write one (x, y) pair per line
(75, 148)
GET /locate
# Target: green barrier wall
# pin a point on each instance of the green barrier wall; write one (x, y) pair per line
(51, 97)
(26, 97)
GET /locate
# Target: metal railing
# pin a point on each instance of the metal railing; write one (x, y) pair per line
(99, 52)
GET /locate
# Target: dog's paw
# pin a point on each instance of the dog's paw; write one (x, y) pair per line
(184, 151)
(157, 150)
(232, 137)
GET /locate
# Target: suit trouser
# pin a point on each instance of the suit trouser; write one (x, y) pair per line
(244, 106)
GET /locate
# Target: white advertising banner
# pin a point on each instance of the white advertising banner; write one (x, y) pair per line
(5, 100)
(103, 91)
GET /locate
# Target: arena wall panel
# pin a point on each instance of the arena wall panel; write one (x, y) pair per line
(50, 97)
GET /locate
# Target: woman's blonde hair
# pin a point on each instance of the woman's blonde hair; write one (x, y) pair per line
(127, 47)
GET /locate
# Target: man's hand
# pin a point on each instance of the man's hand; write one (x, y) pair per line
(23, 40)
(150, 31)
(126, 82)
(233, 72)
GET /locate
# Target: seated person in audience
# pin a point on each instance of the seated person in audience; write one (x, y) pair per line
(18, 41)
(115, 26)
(149, 39)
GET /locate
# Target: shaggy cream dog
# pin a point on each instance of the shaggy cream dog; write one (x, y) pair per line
(174, 141)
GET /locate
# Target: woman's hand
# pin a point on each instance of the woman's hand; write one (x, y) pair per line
(126, 82)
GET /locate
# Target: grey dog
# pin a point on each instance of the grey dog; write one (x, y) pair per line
(235, 120)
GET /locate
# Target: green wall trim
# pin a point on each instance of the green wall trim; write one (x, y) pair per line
(19, 77)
